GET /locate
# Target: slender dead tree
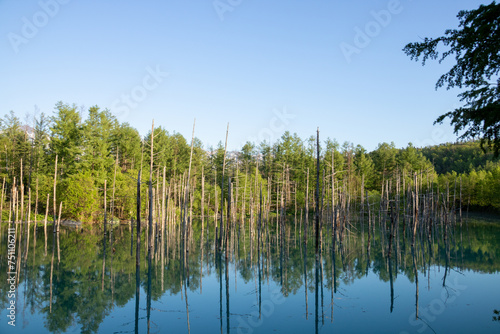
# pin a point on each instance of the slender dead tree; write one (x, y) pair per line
(186, 191)
(317, 192)
(221, 228)
(1, 204)
(55, 206)
(202, 199)
(150, 192)
(138, 229)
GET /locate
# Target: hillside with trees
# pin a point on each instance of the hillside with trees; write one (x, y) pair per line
(97, 152)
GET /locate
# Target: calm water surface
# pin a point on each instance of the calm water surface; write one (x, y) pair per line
(83, 282)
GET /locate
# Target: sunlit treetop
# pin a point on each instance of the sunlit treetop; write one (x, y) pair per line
(475, 45)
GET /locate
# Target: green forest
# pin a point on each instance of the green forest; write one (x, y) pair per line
(81, 158)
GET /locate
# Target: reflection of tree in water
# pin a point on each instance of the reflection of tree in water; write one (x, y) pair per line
(79, 300)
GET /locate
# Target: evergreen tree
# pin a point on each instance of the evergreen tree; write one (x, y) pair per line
(96, 143)
(66, 138)
(476, 46)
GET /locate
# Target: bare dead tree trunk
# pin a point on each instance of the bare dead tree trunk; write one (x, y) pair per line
(222, 192)
(55, 208)
(202, 199)
(306, 222)
(45, 222)
(1, 204)
(317, 192)
(163, 206)
(186, 190)
(21, 181)
(138, 229)
(150, 193)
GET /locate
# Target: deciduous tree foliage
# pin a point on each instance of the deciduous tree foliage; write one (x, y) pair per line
(458, 157)
(80, 197)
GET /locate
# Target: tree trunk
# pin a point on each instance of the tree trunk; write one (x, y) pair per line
(55, 206)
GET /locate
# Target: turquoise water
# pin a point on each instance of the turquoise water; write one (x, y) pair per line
(278, 286)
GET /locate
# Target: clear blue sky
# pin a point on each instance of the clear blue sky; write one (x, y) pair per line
(237, 61)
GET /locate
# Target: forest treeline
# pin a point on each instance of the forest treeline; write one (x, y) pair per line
(97, 152)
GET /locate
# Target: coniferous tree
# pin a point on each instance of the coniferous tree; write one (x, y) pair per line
(476, 47)
(66, 138)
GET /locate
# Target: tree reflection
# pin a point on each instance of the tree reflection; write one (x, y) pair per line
(81, 288)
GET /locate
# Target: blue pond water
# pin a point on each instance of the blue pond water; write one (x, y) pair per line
(82, 282)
